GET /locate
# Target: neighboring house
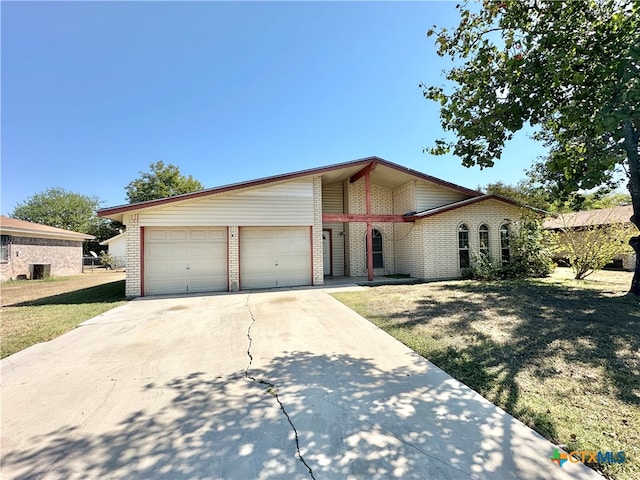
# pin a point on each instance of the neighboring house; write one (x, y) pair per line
(361, 218)
(579, 221)
(117, 247)
(30, 250)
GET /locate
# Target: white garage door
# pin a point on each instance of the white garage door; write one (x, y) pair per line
(182, 260)
(274, 257)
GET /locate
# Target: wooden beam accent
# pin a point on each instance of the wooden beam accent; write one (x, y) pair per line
(363, 217)
(365, 171)
(367, 196)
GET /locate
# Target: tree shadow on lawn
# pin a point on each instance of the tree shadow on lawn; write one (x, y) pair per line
(542, 324)
(352, 418)
(105, 293)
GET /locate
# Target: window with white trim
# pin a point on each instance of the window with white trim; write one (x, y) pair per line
(4, 248)
(376, 238)
(505, 243)
(483, 237)
(463, 246)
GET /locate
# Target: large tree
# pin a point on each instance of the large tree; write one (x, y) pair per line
(160, 182)
(524, 192)
(569, 69)
(60, 208)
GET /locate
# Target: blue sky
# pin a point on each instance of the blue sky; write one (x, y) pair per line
(92, 93)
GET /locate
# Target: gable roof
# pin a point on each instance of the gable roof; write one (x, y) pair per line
(385, 173)
(463, 203)
(22, 228)
(603, 216)
(120, 236)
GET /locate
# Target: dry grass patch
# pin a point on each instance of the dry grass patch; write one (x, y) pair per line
(561, 355)
(36, 311)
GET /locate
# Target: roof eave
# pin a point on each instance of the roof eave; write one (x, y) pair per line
(116, 212)
(23, 232)
(464, 203)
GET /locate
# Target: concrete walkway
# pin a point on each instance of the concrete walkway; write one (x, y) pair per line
(287, 384)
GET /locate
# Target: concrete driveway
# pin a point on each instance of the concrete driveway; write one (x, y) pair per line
(287, 384)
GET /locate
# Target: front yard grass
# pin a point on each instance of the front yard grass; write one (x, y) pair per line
(39, 320)
(563, 356)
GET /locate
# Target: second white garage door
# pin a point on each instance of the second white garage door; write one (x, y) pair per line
(274, 257)
(185, 260)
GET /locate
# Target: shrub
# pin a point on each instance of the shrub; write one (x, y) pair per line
(531, 256)
(107, 260)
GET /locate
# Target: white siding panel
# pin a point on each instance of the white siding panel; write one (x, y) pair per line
(337, 238)
(289, 203)
(332, 198)
(430, 195)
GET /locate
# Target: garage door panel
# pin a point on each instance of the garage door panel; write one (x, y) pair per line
(274, 257)
(181, 260)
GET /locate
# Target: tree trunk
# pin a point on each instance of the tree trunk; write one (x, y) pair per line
(631, 135)
(635, 282)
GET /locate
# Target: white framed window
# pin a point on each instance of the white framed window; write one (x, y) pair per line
(505, 243)
(463, 246)
(483, 237)
(376, 237)
(4, 248)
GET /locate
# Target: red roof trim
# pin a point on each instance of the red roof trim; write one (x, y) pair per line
(287, 176)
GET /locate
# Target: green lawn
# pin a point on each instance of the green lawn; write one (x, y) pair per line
(34, 321)
(562, 356)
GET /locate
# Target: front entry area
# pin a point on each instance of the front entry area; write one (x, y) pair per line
(185, 260)
(274, 257)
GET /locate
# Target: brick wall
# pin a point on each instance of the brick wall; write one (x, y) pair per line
(64, 256)
(441, 235)
(133, 278)
(234, 258)
(408, 237)
(316, 233)
(355, 242)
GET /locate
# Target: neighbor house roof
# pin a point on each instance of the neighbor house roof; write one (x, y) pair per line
(15, 227)
(604, 216)
(113, 239)
(385, 173)
(463, 203)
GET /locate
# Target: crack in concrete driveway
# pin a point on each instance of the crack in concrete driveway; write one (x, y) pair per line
(272, 389)
(147, 390)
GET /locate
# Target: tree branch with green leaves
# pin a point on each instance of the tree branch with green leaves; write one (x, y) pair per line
(569, 69)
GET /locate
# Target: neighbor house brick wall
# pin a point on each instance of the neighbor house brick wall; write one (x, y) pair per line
(629, 261)
(134, 276)
(441, 235)
(64, 256)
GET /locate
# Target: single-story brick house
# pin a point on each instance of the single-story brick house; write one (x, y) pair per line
(361, 218)
(31, 250)
(577, 222)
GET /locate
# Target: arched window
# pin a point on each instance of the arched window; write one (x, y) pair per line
(483, 236)
(463, 246)
(505, 243)
(376, 237)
